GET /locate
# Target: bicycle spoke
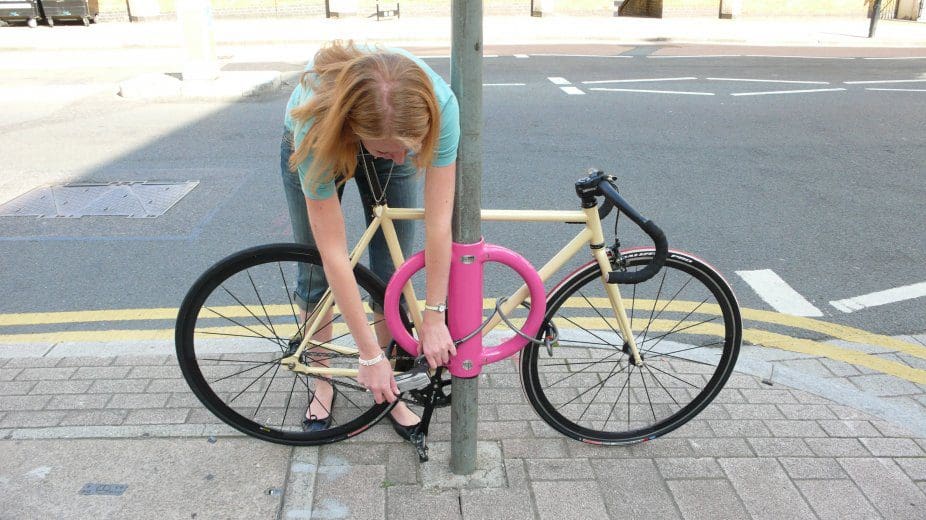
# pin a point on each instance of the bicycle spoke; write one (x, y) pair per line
(601, 383)
(243, 326)
(600, 388)
(655, 302)
(616, 400)
(262, 306)
(680, 330)
(601, 316)
(289, 296)
(289, 399)
(648, 398)
(664, 389)
(246, 308)
(277, 361)
(587, 367)
(570, 320)
(670, 354)
(673, 376)
(245, 389)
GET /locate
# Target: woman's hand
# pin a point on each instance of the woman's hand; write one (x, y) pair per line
(379, 381)
(437, 346)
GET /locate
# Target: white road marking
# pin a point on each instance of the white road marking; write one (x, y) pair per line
(634, 80)
(900, 89)
(572, 91)
(503, 84)
(798, 57)
(559, 81)
(580, 56)
(653, 91)
(898, 294)
(899, 58)
(777, 293)
(885, 81)
(521, 56)
(701, 56)
(447, 56)
(786, 92)
(770, 81)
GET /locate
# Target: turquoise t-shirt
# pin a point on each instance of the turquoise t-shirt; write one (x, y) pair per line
(444, 155)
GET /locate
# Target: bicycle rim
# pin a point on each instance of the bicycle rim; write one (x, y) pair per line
(686, 325)
(234, 327)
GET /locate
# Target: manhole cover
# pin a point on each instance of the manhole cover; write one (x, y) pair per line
(141, 199)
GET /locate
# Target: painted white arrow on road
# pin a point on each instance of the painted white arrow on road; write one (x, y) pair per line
(777, 293)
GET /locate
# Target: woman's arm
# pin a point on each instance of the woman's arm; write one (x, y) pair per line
(327, 223)
(439, 185)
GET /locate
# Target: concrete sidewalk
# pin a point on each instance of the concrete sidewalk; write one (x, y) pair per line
(498, 30)
(111, 431)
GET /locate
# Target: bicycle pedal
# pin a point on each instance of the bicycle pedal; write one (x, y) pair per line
(415, 379)
(412, 381)
(420, 441)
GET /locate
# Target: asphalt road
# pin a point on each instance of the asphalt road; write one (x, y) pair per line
(824, 187)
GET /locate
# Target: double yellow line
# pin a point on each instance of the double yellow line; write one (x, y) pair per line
(754, 336)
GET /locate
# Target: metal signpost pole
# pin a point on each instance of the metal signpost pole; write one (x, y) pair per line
(466, 81)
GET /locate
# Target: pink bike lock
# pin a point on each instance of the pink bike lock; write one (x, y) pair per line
(464, 304)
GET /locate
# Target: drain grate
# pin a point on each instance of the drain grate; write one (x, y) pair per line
(140, 199)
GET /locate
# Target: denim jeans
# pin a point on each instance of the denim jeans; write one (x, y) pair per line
(401, 189)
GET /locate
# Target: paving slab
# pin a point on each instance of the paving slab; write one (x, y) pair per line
(187, 478)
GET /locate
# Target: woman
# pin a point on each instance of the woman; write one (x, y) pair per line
(385, 112)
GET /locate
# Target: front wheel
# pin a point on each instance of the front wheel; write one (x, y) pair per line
(686, 325)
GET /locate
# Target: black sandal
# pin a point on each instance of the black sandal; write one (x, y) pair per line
(315, 424)
(406, 432)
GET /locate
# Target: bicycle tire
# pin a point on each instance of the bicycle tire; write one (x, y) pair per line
(235, 324)
(689, 339)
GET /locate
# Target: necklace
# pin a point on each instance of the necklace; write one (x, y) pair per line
(378, 201)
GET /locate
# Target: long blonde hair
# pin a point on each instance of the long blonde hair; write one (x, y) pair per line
(363, 95)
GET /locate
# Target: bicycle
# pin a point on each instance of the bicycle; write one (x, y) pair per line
(594, 367)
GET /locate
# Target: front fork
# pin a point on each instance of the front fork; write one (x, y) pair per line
(600, 252)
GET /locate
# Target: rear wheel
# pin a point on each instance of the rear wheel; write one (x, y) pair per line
(234, 328)
(686, 325)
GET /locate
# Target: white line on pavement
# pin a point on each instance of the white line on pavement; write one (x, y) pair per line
(786, 92)
(572, 91)
(899, 89)
(521, 56)
(897, 294)
(653, 91)
(885, 81)
(771, 81)
(634, 80)
(556, 80)
(580, 56)
(777, 293)
(447, 56)
(798, 57)
(701, 56)
(899, 58)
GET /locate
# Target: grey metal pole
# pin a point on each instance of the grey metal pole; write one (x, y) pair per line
(466, 82)
(875, 16)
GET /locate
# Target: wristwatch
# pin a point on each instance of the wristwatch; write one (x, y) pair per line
(440, 307)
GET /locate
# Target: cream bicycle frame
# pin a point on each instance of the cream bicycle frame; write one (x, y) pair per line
(383, 217)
